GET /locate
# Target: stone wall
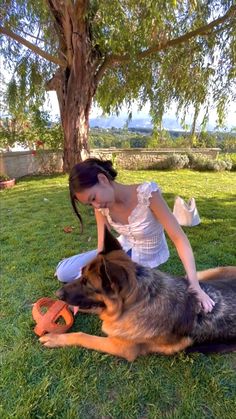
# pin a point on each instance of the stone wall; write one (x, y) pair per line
(22, 163)
(142, 158)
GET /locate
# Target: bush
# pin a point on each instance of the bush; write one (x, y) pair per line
(4, 177)
(192, 161)
(35, 130)
(230, 159)
(227, 142)
(201, 163)
(206, 139)
(176, 161)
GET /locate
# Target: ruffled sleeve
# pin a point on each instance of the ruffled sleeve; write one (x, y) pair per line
(145, 191)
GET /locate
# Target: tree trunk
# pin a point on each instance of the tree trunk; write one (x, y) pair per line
(75, 105)
(75, 86)
(75, 96)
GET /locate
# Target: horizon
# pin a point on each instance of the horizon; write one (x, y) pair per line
(97, 113)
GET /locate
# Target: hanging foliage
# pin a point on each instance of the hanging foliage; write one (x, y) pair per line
(116, 52)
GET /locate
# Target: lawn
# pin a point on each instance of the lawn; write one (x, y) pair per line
(76, 383)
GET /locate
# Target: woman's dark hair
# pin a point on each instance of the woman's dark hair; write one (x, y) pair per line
(85, 175)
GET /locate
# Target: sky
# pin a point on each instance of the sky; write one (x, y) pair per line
(52, 107)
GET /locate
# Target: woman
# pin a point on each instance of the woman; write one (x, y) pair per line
(137, 212)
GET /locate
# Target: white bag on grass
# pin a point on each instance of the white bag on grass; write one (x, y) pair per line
(186, 213)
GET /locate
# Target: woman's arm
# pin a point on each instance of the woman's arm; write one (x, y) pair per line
(162, 212)
(101, 222)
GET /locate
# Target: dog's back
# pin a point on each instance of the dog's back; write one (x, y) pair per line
(165, 305)
(220, 323)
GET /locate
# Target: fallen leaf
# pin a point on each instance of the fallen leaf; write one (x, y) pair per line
(68, 229)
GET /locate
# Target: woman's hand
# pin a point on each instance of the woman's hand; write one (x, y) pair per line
(163, 214)
(206, 302)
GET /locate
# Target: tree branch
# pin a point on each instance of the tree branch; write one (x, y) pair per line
(67, 16)
(32, 47)
(202, 31)
(114, 60)
(55, 8)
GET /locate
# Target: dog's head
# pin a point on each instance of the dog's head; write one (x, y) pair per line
(107, 278)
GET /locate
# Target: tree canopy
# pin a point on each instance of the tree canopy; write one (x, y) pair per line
(115, 52)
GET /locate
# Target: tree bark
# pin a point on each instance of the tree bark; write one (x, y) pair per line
(75, 92)
(75, 98)
(75, 86)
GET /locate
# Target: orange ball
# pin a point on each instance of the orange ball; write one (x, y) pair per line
(46, 312)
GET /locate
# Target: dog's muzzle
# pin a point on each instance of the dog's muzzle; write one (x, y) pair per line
(61, 294)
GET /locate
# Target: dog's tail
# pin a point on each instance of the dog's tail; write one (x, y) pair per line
(225, 272)
(213, 347)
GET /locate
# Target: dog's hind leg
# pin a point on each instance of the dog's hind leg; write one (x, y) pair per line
(111, 345)
(213, 347)
(224, 272)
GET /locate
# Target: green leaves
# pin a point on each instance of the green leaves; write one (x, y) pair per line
(31, 129)
(161, 51)
(187, 73)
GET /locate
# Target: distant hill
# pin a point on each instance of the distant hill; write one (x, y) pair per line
(145, 122)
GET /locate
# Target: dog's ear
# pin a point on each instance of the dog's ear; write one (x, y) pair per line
(113, 276)
(110, 242)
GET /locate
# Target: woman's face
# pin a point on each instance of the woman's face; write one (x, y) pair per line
(101, 195)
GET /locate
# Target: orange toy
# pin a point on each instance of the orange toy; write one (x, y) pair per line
(47, 311)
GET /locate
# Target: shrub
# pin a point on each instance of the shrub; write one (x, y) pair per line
(4, 177)
(227, 142)
(178, 161)
(196, 161)
(206, 139)
(201, 163)
(228, 164)
(230, 160)
(193, 161)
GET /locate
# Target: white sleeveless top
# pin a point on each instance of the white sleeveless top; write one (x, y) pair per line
(143, 233)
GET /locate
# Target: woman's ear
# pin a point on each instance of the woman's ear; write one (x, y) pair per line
(102, 179)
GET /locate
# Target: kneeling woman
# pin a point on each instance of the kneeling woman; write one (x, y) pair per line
(137, 212)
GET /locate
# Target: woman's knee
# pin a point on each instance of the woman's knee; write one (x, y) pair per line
(66, 272)
(69, 269)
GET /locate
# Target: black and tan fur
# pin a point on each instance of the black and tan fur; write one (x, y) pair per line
(144, 310)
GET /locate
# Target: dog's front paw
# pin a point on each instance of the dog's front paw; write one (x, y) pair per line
(52, 340)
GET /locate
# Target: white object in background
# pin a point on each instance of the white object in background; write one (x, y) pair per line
(186, 213)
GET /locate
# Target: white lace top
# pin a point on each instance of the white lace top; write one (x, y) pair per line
(143, 233)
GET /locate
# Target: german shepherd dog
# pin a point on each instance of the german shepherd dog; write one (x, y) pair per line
(144, 310)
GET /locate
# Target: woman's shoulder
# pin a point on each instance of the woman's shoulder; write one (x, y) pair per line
(148, 187)
(145, 191)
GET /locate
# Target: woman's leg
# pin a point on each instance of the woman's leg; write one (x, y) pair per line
(69, 269)
(129, 253)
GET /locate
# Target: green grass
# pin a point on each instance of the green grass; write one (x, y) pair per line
(76, 383)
